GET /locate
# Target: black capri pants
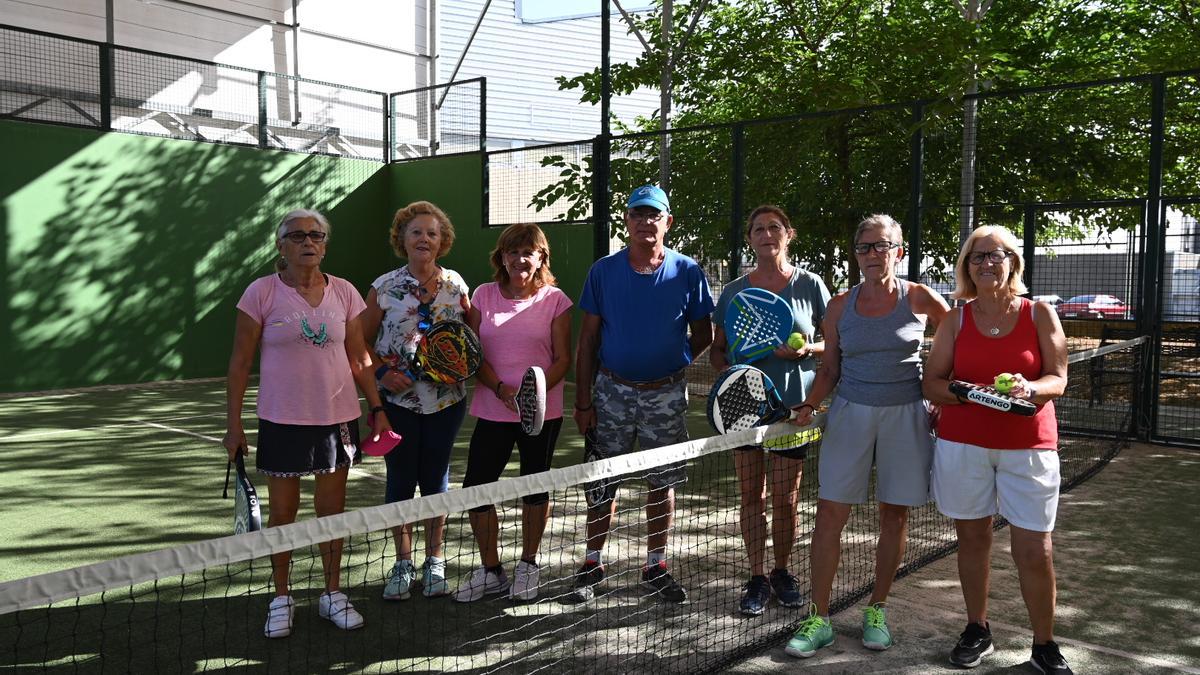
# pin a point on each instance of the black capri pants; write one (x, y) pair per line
(492, 446)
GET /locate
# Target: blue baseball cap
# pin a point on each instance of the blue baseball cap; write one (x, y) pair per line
(649, 195)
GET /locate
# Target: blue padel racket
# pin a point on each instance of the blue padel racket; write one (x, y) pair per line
(756, 322)
(990, 398)
(247, 515)
(531, 401)
(743, 397)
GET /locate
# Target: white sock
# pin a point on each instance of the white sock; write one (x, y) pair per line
(593, 556)
(655, 557)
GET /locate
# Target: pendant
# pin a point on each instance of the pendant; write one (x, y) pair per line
(994, 331)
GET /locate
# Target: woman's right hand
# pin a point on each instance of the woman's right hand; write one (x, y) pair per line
(395, 381)
(235, 441)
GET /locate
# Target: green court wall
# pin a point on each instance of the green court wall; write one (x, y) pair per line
(124, 255)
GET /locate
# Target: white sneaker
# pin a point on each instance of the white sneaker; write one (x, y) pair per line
(525, 581)
(481, 582)
(400, 581)
(433, 578)
(279, 617)
(336, 607)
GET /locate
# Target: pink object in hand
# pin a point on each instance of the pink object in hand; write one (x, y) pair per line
(377, 448)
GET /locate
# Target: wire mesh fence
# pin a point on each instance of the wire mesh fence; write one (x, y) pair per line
(443, 119)
(44, 78)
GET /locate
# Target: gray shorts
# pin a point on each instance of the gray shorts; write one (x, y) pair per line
(895, 439)
(651, 418)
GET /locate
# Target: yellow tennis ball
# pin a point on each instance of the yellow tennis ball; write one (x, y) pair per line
(797, 341)
(1004, 382)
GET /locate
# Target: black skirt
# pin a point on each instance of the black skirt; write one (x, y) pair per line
(290, 450)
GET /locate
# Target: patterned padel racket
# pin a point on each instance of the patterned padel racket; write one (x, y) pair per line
(531, 400)
(449, 352)
(756, 322)
(743, 397)
(600, 492)
(247, 516)
(989, 397)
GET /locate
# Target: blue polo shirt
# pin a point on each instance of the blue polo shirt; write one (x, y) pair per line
(644, 317)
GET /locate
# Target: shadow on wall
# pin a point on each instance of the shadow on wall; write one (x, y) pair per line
(126, 256)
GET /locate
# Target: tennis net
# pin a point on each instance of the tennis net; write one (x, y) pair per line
(202, 606)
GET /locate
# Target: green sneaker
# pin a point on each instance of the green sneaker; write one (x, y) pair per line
(875, 631)
(814, 633)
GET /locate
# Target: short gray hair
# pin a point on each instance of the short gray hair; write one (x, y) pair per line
(297, 214)
(880, 221)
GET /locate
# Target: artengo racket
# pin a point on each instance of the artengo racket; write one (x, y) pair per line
(531, 400)
(756, 322)
(989, 397)
(743, 397)
(247, 516)
(449, 352)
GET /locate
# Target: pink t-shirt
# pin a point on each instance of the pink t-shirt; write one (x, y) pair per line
(515, 334)
(304, 373)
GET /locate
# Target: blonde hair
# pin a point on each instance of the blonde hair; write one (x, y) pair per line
(297, 214)
(964, 288)
(516, 236)
(409, 213)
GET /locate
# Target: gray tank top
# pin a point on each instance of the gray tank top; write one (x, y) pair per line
(881, 356)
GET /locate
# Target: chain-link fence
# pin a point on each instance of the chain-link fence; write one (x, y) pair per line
(444, 119)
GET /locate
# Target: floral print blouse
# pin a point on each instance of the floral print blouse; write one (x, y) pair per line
(399, 333)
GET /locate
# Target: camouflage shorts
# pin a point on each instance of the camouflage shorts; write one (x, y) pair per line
(651, 418)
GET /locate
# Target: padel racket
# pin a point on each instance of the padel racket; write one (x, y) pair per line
(989, 397)
(247, 516)
(449, 352)
(743, 397)
(756, 322)
(531, 400)
(600, 492)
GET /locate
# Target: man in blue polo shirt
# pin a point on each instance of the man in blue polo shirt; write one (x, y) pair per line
(639, 304)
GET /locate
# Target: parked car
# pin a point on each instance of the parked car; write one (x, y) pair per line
(1093, 307)
(1053, 300)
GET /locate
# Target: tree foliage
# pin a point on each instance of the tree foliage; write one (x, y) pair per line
(751, 60)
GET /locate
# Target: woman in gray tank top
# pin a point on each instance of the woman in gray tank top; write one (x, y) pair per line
(873, 335)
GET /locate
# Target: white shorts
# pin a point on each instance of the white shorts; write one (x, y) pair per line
(894, 438)
(971, 482)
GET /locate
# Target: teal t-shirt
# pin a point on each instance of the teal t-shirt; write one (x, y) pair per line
(808, 297)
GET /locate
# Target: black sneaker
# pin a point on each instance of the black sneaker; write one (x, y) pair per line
(587, 579)
(787, 588)
(756, 597)
(658, 580)
(973, 644)
(1047, 659)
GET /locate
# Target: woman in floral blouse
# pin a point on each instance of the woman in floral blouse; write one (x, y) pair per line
(401, 306)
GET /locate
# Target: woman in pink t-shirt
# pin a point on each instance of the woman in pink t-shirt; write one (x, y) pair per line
(522, 320)
(313, 352)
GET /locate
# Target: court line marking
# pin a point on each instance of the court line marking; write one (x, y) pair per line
(1080, 644)
(156, 425)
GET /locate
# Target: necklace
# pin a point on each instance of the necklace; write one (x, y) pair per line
(421, 289)
(995, 330)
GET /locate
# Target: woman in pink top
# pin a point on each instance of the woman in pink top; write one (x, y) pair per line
(313, 353)
(522, 320)
(988, 462)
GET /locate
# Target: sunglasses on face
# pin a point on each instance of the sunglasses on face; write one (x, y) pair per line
(995, 257)
(298, 236)
(878, 246)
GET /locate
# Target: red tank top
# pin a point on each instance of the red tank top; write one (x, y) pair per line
(979, 359)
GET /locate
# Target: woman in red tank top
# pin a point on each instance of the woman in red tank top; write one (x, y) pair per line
(988, 462)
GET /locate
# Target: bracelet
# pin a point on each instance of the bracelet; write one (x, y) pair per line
(381, 371)
(585, 408)
(376, 409)
(499, 383)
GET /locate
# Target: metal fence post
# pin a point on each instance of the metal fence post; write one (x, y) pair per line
(262, 109)
(106, 86)
(601, 201)
(387, 128)
(1149, 309)
(916, 186)
(1029, 236)
(737, 202)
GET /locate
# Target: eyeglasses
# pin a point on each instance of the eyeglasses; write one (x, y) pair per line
(650, 215)
(423, 311)
(297, 236)
(878, 246)
(995, 257)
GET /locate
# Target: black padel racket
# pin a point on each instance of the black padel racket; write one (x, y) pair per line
(989, 397)
(743, 397)
(449, 352)
(247, 516)
(531, 400)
